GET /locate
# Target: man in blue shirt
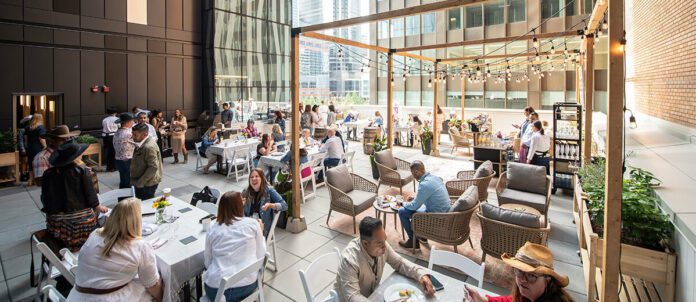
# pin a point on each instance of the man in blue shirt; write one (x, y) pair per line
(431, 197)
(226, 116)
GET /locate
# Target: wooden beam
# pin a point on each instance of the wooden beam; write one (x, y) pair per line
(436, 135)
(323, 37)
(588, 106)
(614, 151)
(297, 222)
(595, 20)
(463, 89)
(492, 40)
(390, 102)
(403, 12)
(501, 56)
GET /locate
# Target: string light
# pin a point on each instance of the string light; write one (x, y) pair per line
(537, 57)
(430, 83)
(553, 49)
(605, 25)
(535, 41)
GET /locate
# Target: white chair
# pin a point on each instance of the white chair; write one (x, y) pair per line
(110, 198)
(55, 267)
(216, 193)
(318, 160)
(348, 159)
(457, 261)
(282, 146)
(50, 293)
(199, 160)
(209, 207)
(312, 277)
(239, 162)
(227, 282)
(270, 240)
(311, 177)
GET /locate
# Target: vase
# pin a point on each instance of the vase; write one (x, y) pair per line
(159, 216)
(375, 170)
(426, 146)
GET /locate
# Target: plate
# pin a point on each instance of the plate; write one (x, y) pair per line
(395, 207)
(277, 153)
(392, 293)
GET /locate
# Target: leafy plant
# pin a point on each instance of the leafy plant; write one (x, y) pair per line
(427, 133)
(8, 141)
(284, 187)
(86, 139)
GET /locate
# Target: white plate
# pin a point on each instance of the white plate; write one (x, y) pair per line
(392, 293)
(277, 153)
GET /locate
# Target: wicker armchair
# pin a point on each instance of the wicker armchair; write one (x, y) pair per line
(450, 228)
(460, 139)
(498, 237)
(393, 172)
(350, 194)
(533, 199)
(465, 179)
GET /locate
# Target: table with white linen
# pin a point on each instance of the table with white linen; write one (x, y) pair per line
(453, 291)
(273, 161)
(398, 131)
(178, 262)
(225, 151)
(355, 126)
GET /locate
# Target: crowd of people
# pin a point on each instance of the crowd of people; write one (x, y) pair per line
(535, 143)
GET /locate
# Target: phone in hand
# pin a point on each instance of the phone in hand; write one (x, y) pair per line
(437, 285)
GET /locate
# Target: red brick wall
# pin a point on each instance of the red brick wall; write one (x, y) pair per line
(665, 59)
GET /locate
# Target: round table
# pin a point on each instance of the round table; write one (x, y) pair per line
(522, 208)
(381, 213)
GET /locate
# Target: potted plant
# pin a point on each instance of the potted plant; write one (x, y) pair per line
(426, 139)
(284, 187)
(94, 148)
(379, 144)
(9, 157)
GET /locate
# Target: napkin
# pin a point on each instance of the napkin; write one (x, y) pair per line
(149, 228)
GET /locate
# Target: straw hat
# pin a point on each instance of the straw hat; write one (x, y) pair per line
(535, 258)
(61, 131)
(67, 153)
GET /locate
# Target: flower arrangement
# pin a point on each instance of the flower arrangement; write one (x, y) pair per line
(160, 203)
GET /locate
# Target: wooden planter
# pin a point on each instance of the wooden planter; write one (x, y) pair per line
(93, 149)
(643, 271)
(10, 159)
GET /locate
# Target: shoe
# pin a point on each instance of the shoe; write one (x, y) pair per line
(423, 240)
(408, 244)
(185, 158)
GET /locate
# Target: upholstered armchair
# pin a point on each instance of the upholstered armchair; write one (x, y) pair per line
(350, 194)
(525, 184)
(480, 178)
(460, 139)
(505, 231)
(393, 172)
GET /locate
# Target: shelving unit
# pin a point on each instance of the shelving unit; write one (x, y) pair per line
(566, 144)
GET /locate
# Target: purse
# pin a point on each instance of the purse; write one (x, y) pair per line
(205, 195)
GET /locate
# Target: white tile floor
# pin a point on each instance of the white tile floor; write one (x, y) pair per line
(20, 216)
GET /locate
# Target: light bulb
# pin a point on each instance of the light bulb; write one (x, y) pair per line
(430, 83)
(605, 25)
(404, 78)
(51, 106)
(43, 102)
(538, 58)
(553, 50)
(566, 50)
(21, 100)
(535, 42)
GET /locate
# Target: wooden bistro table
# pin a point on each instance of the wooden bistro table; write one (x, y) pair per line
(384, 209)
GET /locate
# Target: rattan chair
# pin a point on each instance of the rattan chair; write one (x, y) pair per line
(393, 171)
(534, 200)
(353, 202)
(498, 237)
(460, 139)
(450, 228)
(465, 179)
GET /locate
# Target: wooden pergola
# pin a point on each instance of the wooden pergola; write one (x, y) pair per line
(614, 143)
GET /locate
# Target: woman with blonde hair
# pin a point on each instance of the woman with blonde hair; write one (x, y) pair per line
(120, 265)
(209, 138)
(178, 127)
(33, 132)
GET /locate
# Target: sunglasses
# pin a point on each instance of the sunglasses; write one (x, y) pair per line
(529, 277)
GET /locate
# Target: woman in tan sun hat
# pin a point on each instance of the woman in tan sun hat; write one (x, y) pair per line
(535, 279)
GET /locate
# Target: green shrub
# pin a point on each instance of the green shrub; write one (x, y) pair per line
(8, 141)
(86, 139)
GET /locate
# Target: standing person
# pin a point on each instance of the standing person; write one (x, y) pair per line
(121, 265)
(179, 126)
(260, 197)
(431, 197)
(151, 132)
(441, 120)
(33, 134)
(280, 120)
(416, 129)
(379, 120)
(68, 197)
(526, 138)
(331, 116)
(109, 128)
(362, 264)
(535, 278)
(226, 116)
(323, 114)
(316, 118)
(539, 146)
(54, 138)
(232, 243)
(209, 138)
(306, 118)
(123, 145)
(146, 167)
(157, 122)
(523, 127)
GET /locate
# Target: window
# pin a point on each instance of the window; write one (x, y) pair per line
(516, 11)
(381, 97)
(569, 8)
(550, 8)
(413, 98)
(383, 30)
(474, 16)
(429, 23)
(548, 98)
(136, 11)
(412, 25)
(516, 99)
(473, 99)
(427, 98)
(589, 6)
(454, 99)
(495, 99)
(495, 13)
(454, 17)
(397, 28)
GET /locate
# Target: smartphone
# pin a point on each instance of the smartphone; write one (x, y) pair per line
(437, 286)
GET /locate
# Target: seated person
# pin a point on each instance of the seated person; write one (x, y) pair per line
(431, 197)
(333, 146)
(209, 138)
(278, 135)
(287, 160)
(362, 264)
(535, 278)
(250, 130)
(232, 243)
(379, 120)
(260, 197)
(120, 266)
(306, 138)
(338, 134)
(265, 147)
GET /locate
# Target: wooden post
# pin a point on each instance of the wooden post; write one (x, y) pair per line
(588, 106)
(297, 223)
(436, 137)
(462, 100)
(614, 151)
(577, 83)
(390, 103)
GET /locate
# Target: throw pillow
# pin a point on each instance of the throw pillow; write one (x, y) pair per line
(386, 158)
(340, 178)
(526, 177)
(485, 169)
(468, 200)
(509, 216)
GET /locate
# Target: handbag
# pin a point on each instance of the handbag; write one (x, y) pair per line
(205, 195)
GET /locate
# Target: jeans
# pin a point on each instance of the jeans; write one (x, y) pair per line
(328, 164)
(233, 294)
(405, 218)
(145, 192)
(123, 167)
(538, 160)
(109, 152)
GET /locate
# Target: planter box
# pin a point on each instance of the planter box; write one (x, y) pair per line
(9, 160)
(93, 149)
(646, 274)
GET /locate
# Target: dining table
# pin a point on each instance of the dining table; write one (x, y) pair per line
(273, 161)
(226, 149)
(453, 290)
(353, 127)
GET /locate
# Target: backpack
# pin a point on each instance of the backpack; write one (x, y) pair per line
(205, 195)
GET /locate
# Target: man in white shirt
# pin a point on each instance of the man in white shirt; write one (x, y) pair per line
(142, 118)
(109, 128)
(334, 148)
(527, 136)
(324, 113)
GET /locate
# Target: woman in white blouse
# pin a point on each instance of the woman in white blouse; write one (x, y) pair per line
(232, 244)
(539, 145)
(113, 256)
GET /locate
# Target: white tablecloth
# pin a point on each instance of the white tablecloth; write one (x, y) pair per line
(178, 262)
(227, 148)
(453, 291)
(273, 161)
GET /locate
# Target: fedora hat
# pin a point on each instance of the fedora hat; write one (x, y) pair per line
(537, 259)
(124, 117)
(60, 131)
(66, 153)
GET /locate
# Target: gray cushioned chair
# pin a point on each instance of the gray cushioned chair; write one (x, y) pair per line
(526, 185)
(350, 194)
(505, 231)
(480, 178)
(393, 172)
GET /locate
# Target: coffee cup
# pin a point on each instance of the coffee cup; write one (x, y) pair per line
(206, 224)
(167, 192)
